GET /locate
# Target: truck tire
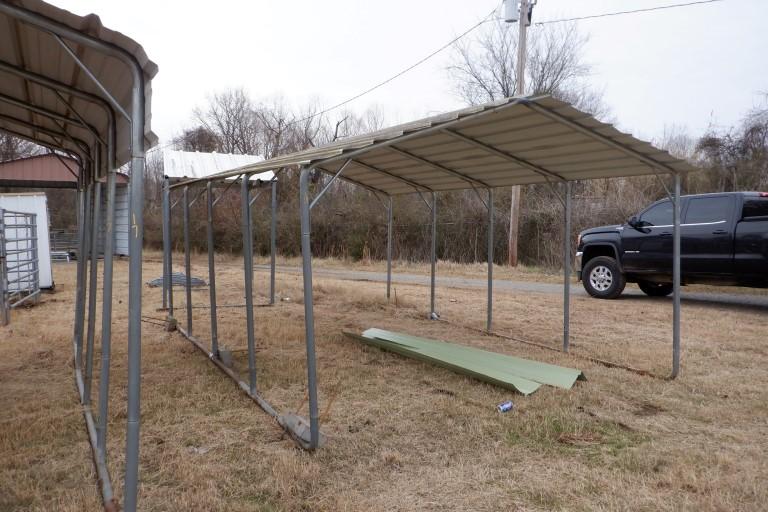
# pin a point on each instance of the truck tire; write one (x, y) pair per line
(655, 289)
(602, 278)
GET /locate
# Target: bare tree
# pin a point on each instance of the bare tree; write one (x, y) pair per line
(198, 138)
(484, 70)
(231, 116)
(12, 148)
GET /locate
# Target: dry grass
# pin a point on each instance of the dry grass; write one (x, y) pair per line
(403, 435)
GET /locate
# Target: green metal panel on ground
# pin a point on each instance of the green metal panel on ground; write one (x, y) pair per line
(522, 375)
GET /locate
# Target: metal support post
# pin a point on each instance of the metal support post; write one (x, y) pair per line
(92, 289)
(212, 274)
(273, 243)
(676, 281)
(5, 307)
(84, 256)
(106, 311)
(567, 268)
(489, 319)
(79, 303)
(389, 247)
(309, 313)
(187, 259)
(248, 278)
(166, 243)
(432, 313)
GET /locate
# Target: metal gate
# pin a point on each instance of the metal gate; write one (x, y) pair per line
(19, 262)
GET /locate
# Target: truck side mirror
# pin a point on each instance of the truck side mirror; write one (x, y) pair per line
(633, 221)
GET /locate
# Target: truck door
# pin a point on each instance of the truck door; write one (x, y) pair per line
(707, 235)
(648, 245)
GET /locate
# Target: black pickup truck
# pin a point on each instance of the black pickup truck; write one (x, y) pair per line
(724, 241)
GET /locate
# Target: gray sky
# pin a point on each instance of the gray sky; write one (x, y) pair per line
(688, 67)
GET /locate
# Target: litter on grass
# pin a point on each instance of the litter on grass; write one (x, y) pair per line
(522, 375)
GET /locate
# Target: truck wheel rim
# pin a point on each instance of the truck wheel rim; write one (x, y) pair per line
(601, 278)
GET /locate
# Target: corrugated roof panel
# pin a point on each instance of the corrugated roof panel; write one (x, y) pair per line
(485, 147)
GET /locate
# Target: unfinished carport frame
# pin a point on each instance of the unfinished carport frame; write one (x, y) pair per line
(515, 141)
(85, 93)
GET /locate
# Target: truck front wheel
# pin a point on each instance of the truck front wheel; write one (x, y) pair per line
(655, 289)
(602, 278)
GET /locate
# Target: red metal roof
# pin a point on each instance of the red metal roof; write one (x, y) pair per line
(43, 171)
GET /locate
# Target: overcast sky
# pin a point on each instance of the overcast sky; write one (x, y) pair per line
(688, 67)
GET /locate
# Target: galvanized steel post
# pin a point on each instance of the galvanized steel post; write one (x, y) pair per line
(187, 259)
(106, 310)
(309, 314)
(389, 247)
(93, 281)
(245, 201)
(567, 268)
(80, 285)
(676, 281)
(212, 274)
(489, 319)
(432, 313)
(84, 256)
(273, 243)
(5, 308)
(166, 242)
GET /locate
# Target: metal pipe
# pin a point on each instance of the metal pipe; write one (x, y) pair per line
(433, 260)
(169, 226)
(93, 281)
(309, 314)
(4, 304)
(676, 281)
(106, 311)
(567, 268)
(389, 247)
(84, 256)
(187, 260)
(211, 275)
(489, 308)
(78, 330)
(166, 243)
(328, 185)
(248, 279)
(273, 243)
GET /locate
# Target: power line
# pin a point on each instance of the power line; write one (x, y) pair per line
(618, 13)
(401, 73)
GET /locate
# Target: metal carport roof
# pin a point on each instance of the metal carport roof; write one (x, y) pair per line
(514, 141)
(41, 85)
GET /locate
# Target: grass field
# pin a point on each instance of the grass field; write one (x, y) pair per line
(402, 435)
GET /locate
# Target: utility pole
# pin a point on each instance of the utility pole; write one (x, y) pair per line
(514, 211)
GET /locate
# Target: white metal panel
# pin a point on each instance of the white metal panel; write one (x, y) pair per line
(37, 203)
(194, 164)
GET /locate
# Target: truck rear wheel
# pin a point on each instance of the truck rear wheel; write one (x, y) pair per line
(655, 289)
(602, 278)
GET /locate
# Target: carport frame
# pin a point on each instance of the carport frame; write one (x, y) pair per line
(89, 184)
(347, 155)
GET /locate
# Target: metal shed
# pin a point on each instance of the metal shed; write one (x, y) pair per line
(81, 90)
(61, 172)
(513, 141)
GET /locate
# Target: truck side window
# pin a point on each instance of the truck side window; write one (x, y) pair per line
(755, 207)
(708, 209)
(659, 215)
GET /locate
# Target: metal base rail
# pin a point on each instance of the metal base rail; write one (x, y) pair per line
(99, 458)
(295, 426)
